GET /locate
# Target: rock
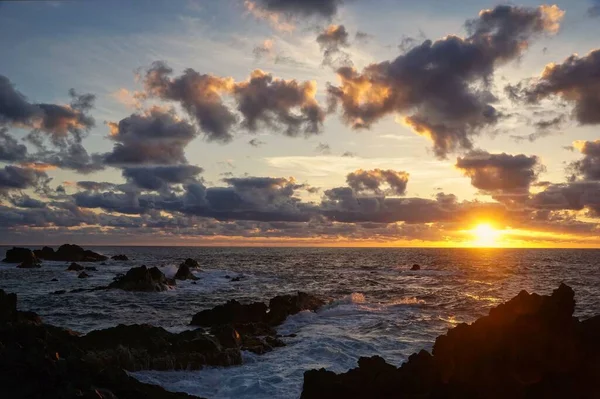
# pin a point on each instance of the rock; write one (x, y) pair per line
(29, 265)
(191, 263)
(231, 312)
(528, 347)
(69, 253)
(236, 279)
(44, 253)
(283, 306)
(119, 257)
(59, 292)
(184, 273)
(142, 279)
(91, 269)
(83, 275)
(75, 267)
(227, 336)
(54, 279)
(415, 267)
(20, 255)
(8, 307)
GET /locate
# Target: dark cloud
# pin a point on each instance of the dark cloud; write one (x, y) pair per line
(332, 40)
(256, 143)
(362, 37)
(25, 201)
(349, 154)
(73, 157)
(96, 186)
(373, 180)
(503, 176)
(323, 148)
(301, 8)
(442, 84)
(574, 196)
(10, 149)
(200, 95)
(573, 81)
(21, 178)
(281, 105)
(587, 168)
(161, 177)
(155, 137)
(594, 10)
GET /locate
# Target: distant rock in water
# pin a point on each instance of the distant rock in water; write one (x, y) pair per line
(83, 275)
(119, 257)
(142, 279)
(75, 267)
(191, 263)
(20, 255)
(69, 253)
(528, 347)
(184, 273)
(44, 253)
(29, 264)
(415, 267)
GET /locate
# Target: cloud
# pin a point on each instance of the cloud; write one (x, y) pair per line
(594, 10)
(256, 143)
(161, 177)
(574, 81)
(332, 40)
(587, 168)
(73, 157)
(442, 85)
(278, 21)
(372, 180)
(544, 128)
(300, 8)
(323, 148)
(265, 49)
(154, 137)
(501, 175)
(21, 178)
(10, 149)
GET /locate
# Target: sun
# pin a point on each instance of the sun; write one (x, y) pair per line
(484, 235)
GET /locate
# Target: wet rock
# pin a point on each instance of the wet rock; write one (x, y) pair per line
(54, 279)
(29, 265)
(528, 347)
(20, 255)
(191, 263)
(283, 306)
(142, 279)
(75, 267)
(231, 312)
(227, 336)
(236, 279)
(70, 253)
(119, 257)
(415, 267)
(91, 269)
(83, 275)
(184, 273)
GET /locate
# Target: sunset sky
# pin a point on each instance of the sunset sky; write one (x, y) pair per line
(291, 122)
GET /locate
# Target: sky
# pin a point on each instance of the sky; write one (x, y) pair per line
(300, 122)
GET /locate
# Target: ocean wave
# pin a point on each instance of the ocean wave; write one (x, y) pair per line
(406, 301)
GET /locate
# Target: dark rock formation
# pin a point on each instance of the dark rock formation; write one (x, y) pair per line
(69, 253)
(191, 263)
(119, 257)
(75, 267)
(29, 264)
(83, 275)
(20, 255)
(528, 347)
(283, 306)
(142, 279)
(42, 361)
(91, 269)
(184, 273)
(415, 267)
(231, 312)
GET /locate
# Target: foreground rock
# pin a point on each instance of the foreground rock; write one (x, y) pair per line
(142, 279)
(42, 361)
(184, 273)
(20, 255)
(528, 347)
(69, 253)
(252, 325)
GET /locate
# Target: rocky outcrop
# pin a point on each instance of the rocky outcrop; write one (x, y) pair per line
(119, 257)
(528, 347)
(232, 312)
(75, 267)
(191, 263)
(20, 255)
(283, 306)
(142, 279)
(415, 267)
(42, 361)
(83, 275)
(69, 253)
(184, 273)
(29, 264)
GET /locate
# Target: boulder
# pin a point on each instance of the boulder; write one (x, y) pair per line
(119, 257)
(46, 253)
(75, 267)
(29, 264)
(191, 263)
(232, 313)
(83, 275)
(184, 273)
(415, 267)
(74, 253)
(142, 279)
(283, 306)
(20, 255)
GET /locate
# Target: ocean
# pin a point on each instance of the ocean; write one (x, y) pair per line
(377, 305)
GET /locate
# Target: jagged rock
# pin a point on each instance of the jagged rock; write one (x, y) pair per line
(184, 273)
(528, 347)
(69, 253)
(83, 275)
(142, 279)
(283, 306)
(415, 267)
(227, 336)
(75, 267)
(231, 312)
(191, 263)
(29, 265)
(119, 257)
(44, 253)
(20, 255)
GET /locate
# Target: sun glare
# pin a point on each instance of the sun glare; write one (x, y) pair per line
(484, 235)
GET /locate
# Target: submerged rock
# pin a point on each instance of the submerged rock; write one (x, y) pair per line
(142, 279)
(91, 269)
(184, 273)
(119, 257)
(75, 267)
(415, 267)
(83, 275)
(20, 255)
(528, 347)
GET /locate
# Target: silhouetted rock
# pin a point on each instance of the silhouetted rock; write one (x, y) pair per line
(54, 279)
(119, 257)
(142, 279)
(236, 279)
(83, 275)
(191, 263)
(184, 273)
(29, 264)
(227, 336)
(528, 347)
(283, 306)
(8, 307)
(44, 253)
(75, 267)
(231, 312)
(20, 255)
(69, 253)
(415, 267)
